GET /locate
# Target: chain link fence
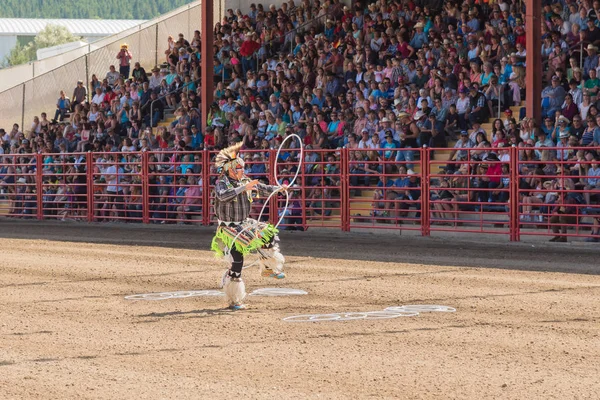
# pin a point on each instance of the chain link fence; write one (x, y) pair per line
(147, 43)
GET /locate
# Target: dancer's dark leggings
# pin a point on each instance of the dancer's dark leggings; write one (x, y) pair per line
(237, 264)
(238, 260)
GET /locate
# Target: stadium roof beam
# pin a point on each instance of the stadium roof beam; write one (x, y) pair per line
(78, 27)
(533, 72)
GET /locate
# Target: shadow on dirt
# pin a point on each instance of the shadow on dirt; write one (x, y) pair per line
(485, 251)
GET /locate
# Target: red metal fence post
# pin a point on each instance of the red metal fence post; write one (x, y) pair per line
(39, 186)
(425, 177)
(205, 187)
(514, 195)
(89, 172)
(345, 192)
(273, 207)
(145, 188)
(303, 196)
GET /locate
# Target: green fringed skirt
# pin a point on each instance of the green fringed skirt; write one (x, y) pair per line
(253, 238)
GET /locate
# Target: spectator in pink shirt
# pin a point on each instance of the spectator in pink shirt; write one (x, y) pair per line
(124, 58)
(192, 200)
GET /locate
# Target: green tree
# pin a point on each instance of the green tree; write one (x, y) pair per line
(18, 55)
(53, 35)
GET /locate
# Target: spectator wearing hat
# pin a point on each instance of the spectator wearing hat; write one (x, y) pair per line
(553, 97)
(249, 47)
(563, 154)
(419, 37)
(491, 179)
(543, 141)
(592, 34)
(79, 95)
(384, 125)
(155, 79)
(459, 149)
(591, 61)
(575, 92)
(388, 155)
(408, 139)
(477, 106)
(508, 115)
(420, 119)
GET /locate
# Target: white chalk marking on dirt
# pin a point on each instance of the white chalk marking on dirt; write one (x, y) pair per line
(174, 295)
(349, 316)
(390, 312)
(421, 308)
(278, 292)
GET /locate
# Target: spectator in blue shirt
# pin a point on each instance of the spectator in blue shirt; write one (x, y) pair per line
(419, 38)
(197, 138)
(318, 98)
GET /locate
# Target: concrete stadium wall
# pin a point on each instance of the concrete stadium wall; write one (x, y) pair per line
(10, 77)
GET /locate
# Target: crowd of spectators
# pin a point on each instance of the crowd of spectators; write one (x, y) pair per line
(383, 79)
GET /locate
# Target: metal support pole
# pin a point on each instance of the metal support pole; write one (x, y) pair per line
(205, 187)
(500, 90)
(303, 197)
(273, 207)
(207, 62)
(39, 186)
(514, 225)
(145, 188)
(533, 76)
(345, 192)
(89, 174)
(23, 110)
(87, 79)
(156, 47)
(425, 207)
(139, 49)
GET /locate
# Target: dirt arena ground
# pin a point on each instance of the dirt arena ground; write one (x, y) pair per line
(67, 332)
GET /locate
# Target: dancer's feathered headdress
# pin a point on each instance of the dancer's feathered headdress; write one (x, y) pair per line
(227, 156)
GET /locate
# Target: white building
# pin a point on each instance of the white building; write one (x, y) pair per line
(23, 30)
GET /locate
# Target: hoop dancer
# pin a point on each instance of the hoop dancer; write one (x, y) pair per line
(238, 235)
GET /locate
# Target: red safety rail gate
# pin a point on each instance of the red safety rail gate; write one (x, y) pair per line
(559, 192)
(510, 191)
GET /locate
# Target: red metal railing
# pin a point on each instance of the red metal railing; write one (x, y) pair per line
(514, 193)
